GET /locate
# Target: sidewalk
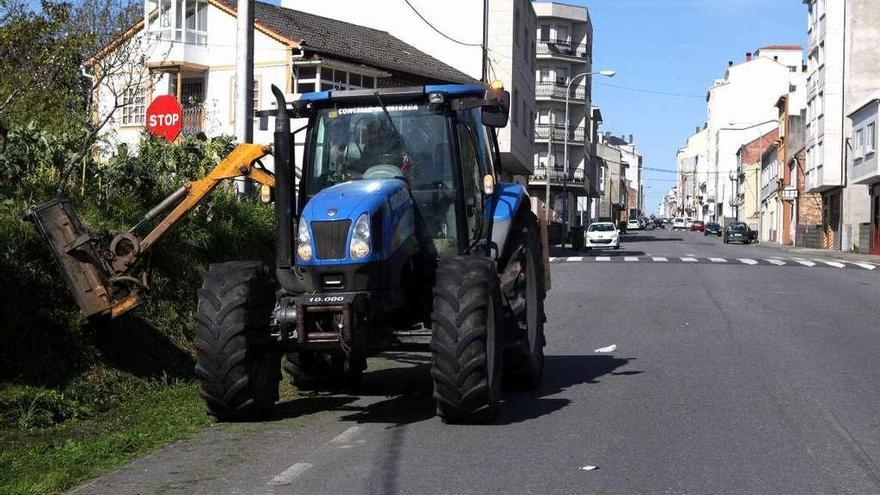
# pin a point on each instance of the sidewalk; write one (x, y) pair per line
(822, 253)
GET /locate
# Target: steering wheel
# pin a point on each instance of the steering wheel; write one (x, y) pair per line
(383, 172)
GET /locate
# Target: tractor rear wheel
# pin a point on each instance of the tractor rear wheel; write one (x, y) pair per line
(237, 370)
(522, 285)
(466, 341)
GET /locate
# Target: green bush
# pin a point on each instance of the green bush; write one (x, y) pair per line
(44, 347)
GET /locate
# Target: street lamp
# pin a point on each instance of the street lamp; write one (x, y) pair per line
(605, 73)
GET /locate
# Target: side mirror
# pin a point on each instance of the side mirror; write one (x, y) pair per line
(496, 109)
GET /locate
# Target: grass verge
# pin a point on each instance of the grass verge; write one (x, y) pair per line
(50, 460)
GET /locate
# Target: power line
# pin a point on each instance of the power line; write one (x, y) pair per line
(649, 91)
(441, 33)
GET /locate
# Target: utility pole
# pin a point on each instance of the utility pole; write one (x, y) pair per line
(550, 162)
(486, 41)
(244, 79)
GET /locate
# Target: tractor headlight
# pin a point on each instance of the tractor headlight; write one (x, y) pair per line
(303, 242)
(360, 238)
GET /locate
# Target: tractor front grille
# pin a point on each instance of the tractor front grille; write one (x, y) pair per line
(330, 238)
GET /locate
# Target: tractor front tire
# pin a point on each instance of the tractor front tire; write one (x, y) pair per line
(466, 341)
(237, 370)
(522, 285)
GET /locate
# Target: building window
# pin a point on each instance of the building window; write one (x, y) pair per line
(562, 75)
(544, 32)
(541, 159)
(870, 138)
(256, 92)
(134, 106)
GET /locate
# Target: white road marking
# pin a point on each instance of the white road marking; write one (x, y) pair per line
(689, 259)
(659, 258)
(575, 258)
(775, 261)
(347, 435)
(290, 474)
(805, 262)
(718, 260)
(603, 258)
(866, 266)
(604, 350)
(748, 261)
(690, 255)
(832, 263)
(552, 259)
(630, 258)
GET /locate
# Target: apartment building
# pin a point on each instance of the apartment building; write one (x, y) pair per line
(693, 176)
(751, 177)
(740, 108)
(564, 52)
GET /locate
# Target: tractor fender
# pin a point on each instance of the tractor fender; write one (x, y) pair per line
(503, 206)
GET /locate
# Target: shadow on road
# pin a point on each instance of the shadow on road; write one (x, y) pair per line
(407, 388)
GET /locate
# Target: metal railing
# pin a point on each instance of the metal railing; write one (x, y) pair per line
(556, 174)
(575, 134)
(557, 90)
(192, 120)
(559, 47)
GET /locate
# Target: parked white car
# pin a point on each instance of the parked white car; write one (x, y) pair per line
(633, 225)
(602, 234)
(679, 223)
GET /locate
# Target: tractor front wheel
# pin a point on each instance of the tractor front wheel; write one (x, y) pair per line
(238, 371)
(466, 341)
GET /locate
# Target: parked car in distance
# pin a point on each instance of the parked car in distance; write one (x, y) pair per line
(688, 221)
(633, 225)
(698, 226)
(713, 228)
(602, 234)
(737, 232)
(678, 223)
(660, 223)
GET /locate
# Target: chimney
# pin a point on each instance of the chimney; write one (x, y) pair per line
(775, 58)
(803, 67)
(697, 131)
(630, 139)
(748, 56)
(730, 63)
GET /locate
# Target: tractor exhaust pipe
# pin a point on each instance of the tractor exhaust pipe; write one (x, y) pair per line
(285, 198)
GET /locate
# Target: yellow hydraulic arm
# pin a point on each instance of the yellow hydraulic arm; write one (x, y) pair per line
(109, 281)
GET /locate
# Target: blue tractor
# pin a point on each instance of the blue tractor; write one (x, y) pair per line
(395, 234)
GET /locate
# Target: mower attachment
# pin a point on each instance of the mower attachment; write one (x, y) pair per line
(86, 272)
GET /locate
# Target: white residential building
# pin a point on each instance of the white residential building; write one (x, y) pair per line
(564, 51)
(189, 52)
(693, 176)
(843, 78)
(511, 44)
(742, 107)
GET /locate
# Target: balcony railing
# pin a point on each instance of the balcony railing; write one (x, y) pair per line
(192, 120)
(556, 174)
(557, 90)
(543, 131)
(558, 47)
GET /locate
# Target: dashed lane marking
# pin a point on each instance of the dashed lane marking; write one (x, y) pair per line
(774, 261)
(748, 261)
(660, 259)
(805, 262)
(630, 258)
(835, 264)
(603, 258)
(290, 474)
(346, 436)
(866, 266)
(718, 260)
(575, 259)
(690, 259)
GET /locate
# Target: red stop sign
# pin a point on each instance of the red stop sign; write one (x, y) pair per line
(165, 118)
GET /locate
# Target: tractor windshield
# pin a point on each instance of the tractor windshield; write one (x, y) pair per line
(352, 143)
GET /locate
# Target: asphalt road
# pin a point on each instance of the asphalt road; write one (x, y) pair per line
(727, 378)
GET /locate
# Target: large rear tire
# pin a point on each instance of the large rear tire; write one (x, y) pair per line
(466, 342)
(237, 370)
(523, 289)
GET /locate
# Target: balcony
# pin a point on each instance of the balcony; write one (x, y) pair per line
(561, 48)
(576, 135)
(193, 117)
(556, 175)
(547, 89)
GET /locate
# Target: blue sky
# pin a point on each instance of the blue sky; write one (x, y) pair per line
(677, 46)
